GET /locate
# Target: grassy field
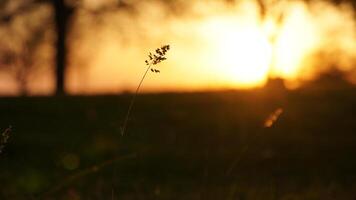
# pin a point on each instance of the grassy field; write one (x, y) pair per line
(208, 145)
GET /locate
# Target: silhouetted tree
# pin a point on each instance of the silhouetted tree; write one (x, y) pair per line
(17, 48)
(62, 14)
(266, 10)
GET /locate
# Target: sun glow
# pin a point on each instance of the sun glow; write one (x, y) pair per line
(215, 45)
(241, 53)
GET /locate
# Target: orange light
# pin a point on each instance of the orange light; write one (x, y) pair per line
(240, 54)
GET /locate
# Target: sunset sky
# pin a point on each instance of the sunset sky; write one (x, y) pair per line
(214, 45)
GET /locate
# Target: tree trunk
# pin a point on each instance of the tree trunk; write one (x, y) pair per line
(61, 19)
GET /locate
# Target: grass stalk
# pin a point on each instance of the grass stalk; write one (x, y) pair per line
(154, 58)
(123, 128)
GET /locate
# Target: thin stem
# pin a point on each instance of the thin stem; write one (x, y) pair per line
(123, 129)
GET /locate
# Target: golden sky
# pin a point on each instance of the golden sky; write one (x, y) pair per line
(214, 44)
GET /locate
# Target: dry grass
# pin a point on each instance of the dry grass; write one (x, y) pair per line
(153, 59)
(273, 118)
(4, 139)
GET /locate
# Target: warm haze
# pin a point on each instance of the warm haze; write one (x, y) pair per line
(178, 99)
(217, 45)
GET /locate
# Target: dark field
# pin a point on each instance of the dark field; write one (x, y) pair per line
(182, 146)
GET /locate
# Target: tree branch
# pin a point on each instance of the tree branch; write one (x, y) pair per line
(6, 17)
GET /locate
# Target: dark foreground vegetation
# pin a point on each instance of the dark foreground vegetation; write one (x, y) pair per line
(181, 146)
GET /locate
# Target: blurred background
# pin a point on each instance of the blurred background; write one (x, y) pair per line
(256, 99)
(98, 47)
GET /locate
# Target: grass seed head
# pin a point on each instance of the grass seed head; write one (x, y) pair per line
(158, 56)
